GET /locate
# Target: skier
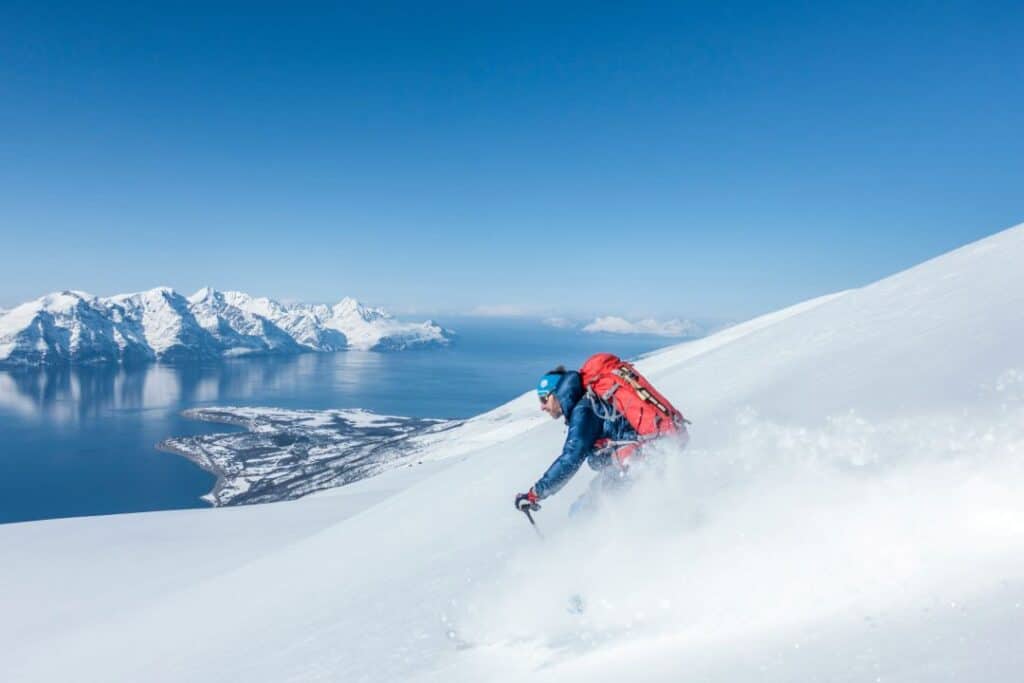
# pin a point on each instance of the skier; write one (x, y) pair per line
(612, 413)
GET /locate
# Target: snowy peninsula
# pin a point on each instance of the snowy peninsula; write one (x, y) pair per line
(286, 454)
(162, 325)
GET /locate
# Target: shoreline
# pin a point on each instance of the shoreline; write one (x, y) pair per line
(203, 463)
(211, 497)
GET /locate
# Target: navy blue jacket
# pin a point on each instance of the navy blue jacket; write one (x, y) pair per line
(585, 427)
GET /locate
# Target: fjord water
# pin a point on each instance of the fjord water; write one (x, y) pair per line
(80, 440)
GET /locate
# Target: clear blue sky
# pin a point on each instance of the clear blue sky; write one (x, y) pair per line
(709, 158)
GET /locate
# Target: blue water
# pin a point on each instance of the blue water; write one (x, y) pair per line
(80, 441)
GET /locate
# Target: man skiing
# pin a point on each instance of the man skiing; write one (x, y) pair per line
(612, 412)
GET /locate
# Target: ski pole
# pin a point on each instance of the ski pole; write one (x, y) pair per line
(526, 511)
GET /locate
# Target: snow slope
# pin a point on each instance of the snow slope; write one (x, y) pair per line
(849, 509)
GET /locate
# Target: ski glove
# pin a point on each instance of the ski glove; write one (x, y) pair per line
(527, 501)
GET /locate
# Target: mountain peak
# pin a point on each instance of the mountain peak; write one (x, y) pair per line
(349, 308)
(63, 301)
(203, 294)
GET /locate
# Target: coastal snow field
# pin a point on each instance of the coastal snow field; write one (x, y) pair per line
(848, 509)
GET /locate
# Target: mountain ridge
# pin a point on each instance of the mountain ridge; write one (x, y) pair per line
(160, 324)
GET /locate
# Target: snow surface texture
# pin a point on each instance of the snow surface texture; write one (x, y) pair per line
(849, 509)
(160, 324)
(661, 328)
(286, 454)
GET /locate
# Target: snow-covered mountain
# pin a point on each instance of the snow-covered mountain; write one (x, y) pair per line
(368, 328)
(848, 509)
(346, 324)
(166, 322)
(237, 330)
(304, 323)
(160, 324)
(71, 325)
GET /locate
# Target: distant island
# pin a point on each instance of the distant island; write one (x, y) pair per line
(162, 325)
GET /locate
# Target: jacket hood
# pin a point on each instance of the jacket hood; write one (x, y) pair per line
(568, 392)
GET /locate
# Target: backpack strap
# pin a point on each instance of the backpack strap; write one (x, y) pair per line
(604, 409)
(626, 373)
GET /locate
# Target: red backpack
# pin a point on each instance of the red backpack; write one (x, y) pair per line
(617, 384)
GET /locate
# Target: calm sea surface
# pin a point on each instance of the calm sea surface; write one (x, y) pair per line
(79, 441)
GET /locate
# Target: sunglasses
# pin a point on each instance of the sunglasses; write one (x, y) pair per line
(544, 398)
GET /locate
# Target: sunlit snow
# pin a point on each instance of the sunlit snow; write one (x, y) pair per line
(849, 509)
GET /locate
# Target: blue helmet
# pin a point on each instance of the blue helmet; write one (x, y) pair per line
(548, 383)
